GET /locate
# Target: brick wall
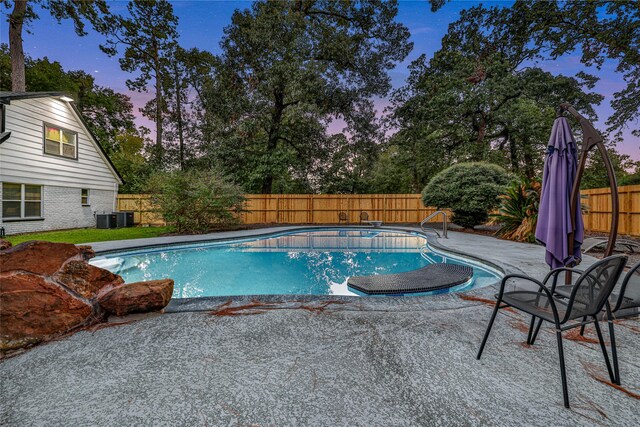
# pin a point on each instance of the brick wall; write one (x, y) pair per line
(62, 209)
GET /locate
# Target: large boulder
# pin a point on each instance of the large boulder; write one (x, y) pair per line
(34, 309)
(137, 297)
(47, 289)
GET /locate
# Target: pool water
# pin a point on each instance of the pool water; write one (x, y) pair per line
(315, 262)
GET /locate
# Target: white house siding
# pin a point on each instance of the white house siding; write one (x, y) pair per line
(22, 159)
(62, 208)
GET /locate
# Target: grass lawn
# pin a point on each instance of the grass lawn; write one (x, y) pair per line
(86, 235)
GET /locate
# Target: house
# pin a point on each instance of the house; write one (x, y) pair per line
(53, 172)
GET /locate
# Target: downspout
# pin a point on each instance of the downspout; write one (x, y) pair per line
(115, 197)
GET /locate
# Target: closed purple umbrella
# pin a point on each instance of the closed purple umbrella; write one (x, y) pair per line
(554, 214)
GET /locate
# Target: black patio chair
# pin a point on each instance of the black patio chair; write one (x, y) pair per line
(364, 216)
(619, 305)
(342, 217)
(589, 295)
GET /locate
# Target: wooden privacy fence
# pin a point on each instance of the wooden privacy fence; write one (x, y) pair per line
(390, 208)
(325, 208)
(142, 208)
(304, 208)
(598, 217)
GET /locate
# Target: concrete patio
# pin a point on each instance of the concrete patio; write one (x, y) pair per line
(324, 361)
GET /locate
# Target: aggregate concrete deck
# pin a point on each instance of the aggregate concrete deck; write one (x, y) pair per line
(324, 361)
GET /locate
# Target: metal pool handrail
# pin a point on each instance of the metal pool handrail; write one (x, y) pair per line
(444, 223)
(424, 253)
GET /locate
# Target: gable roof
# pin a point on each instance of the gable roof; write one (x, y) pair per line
(7, 97)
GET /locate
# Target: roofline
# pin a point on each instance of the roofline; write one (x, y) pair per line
(7, 97)
(78, 113)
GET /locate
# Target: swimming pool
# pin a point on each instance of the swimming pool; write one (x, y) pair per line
(315, 262)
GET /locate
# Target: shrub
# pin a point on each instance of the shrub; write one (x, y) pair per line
(518, 211)
(470, 190)
(194, 201)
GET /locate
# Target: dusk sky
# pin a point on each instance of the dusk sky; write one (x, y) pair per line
(201, 25)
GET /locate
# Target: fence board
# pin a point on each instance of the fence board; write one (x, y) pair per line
(390, 208)
(598, 217)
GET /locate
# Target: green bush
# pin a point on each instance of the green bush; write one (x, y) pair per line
(470, 190)
(194, 201)
(518, 211)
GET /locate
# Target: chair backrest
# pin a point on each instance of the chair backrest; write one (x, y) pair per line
(342, 216)
(593, 288)
(364, 216)
(629, 290)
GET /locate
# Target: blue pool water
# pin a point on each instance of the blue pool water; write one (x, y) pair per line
(315, 262)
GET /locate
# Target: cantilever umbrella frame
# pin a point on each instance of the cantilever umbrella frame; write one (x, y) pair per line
(591, 139)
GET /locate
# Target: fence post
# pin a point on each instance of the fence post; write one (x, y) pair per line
(384, 208)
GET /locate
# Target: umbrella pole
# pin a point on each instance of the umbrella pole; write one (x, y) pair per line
(591, 138)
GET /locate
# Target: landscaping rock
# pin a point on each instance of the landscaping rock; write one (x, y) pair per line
(87, 280)
(138, 297)
(44, 258)
(34, 309)
(86, 252)
(47, 289)
(4, 244)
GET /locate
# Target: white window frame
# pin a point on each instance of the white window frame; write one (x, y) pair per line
(23, 201)
(60, 143)
(88, 201)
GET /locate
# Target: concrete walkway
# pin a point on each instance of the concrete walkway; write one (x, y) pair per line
(324, 361)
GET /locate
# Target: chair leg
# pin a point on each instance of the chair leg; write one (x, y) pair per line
(614, 352)
(584, 319)
(604, 350)
(563, 372)
(535, 333)
(489, 326)
(531, 328)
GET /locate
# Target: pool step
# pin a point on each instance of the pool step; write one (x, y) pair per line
(430, 278)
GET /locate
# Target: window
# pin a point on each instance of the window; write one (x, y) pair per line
(60, 142)
(85, 196)
(21, 201)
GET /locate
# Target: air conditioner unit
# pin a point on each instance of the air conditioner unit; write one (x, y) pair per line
(125, 219)
(106, 221)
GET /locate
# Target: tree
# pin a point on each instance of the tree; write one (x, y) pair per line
(595, 173)
(23, 13)
(129, 159)
(107, 113)
(148, 34)
(600, 29)
(479, 99)
(187, 73)
(288, 69)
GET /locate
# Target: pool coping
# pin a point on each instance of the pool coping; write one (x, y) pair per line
(208, 303)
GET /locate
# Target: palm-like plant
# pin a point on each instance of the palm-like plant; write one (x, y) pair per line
(518, 211)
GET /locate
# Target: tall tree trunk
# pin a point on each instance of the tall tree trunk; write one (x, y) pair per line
(179, 118)
(16, 20)
(158, 148)
(272, 141)
(513, 154)
(482, 131)
(267, 180)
